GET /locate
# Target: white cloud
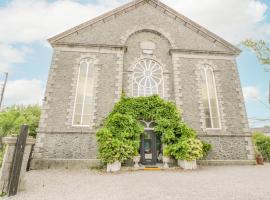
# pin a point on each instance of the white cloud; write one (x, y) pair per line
(233, 20)
(251, 93)
(26, 21)
(10, 55)
(24, 92)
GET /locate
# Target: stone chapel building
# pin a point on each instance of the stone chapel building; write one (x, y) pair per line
(141, 48)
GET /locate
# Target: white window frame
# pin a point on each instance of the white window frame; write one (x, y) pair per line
(138, 83)
(89, 64)
(205, 68)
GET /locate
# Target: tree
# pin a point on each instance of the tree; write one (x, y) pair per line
(13, 117)
(261, 50)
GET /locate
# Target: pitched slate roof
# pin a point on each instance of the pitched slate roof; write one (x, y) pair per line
(162, 8)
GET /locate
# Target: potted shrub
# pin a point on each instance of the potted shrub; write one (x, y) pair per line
(259, 158)
(166, 158)
(187, 151)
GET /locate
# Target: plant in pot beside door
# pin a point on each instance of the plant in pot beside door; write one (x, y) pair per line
(187, 151)
(166, 158)
(119, 140)
(136, 161)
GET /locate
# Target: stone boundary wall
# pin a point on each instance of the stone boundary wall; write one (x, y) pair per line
(10, 143)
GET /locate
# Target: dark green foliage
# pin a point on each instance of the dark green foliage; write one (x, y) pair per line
(119, 138)
(12, 118)
(262, 145)
(206, 148)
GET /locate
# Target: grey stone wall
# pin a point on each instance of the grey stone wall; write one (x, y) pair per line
(67, 146)
(114, 46)
(115, 29)
(57, 138)
(226, 147)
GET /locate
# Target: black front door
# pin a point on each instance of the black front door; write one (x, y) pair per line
(149, 148)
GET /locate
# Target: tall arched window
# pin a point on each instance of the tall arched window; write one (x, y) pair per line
(84, 94)
(147, 78)
(209, 95)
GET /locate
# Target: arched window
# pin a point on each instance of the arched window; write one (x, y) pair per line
(209, 95)
(147, 78)
(84, 94)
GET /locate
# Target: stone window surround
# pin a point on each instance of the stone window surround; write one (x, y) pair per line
(130, 71)
(202, 57)
(216, 74)
(70, 111)
(90, 64)
(90, 52)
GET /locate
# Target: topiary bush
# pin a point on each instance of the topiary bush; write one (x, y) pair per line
(262, 144)
(119, 138)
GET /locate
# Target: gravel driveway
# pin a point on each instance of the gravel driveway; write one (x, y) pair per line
(207, 183)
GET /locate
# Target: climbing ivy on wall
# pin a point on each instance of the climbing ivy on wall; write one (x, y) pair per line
(119, 138)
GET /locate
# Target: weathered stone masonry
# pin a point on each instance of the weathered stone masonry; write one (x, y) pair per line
(112, 42)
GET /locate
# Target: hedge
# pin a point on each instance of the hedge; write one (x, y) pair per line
(262, 144)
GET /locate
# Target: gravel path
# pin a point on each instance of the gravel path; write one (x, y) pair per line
(207, 183)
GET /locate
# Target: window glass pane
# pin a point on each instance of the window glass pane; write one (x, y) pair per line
(86, 120)
(83, 101)
(205, 101)
(209, 98)
(77, 120)
(78, 109)
(213, 100)
(147, 78)
(87, 109)
(215, 122)
(208, 123)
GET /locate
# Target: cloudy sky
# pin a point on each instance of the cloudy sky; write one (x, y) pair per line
(26, 54)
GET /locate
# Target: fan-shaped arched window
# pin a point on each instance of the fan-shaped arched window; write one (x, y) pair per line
(84, 94)
(147, 78)
(209, 96)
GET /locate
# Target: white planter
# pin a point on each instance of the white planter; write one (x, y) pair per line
(166, 161)
(136, 161)
(189, 165)
(114, 167)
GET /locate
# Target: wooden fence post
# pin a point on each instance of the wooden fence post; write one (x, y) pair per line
(17, 161)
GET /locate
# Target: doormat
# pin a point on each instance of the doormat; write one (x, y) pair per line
(152, 169)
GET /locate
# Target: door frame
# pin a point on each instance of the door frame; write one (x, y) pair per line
(153, 148)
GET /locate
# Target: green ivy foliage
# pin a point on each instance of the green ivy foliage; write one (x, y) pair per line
(119, 139)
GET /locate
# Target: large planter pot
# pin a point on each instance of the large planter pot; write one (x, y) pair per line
(114, 167)
(166, 161)
(259, 159)
(188, 165)
(136, 161)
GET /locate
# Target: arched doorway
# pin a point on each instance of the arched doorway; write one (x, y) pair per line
(151, 147)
